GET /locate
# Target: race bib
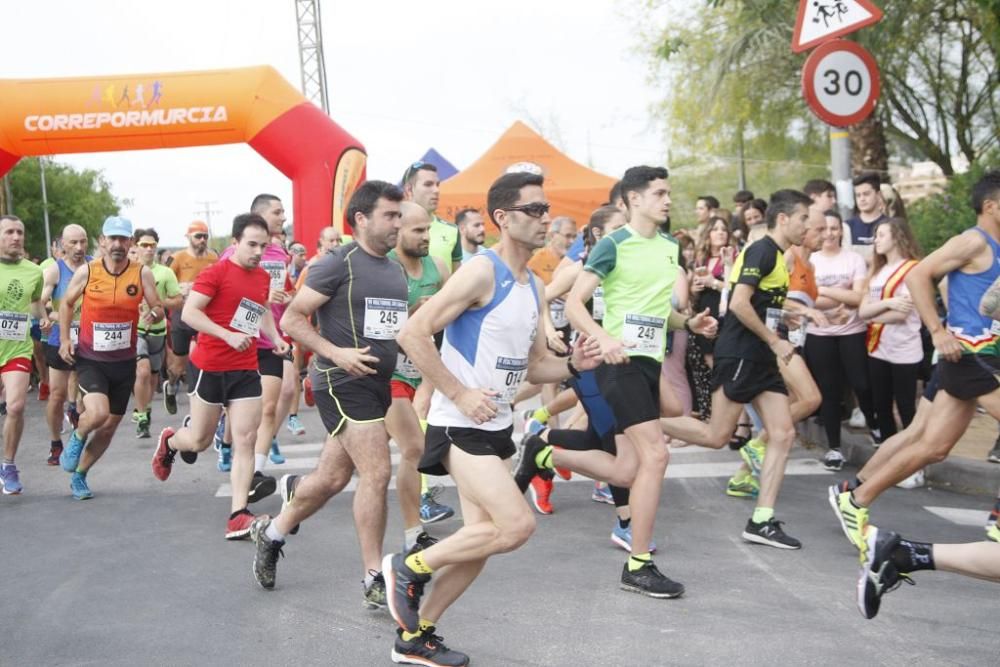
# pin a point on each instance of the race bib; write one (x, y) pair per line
(248, 317)
(643, 335)
(405, 367)
(14, 326)
(112, 336)
(507, 377)
(789, 326)
(384, 318)
(278, 271)
(597, 304)
(557, 309)
(74, 333)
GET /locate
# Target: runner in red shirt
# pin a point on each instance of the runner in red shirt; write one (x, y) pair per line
(228, 307)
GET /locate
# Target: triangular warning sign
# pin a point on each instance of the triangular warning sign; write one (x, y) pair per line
(823, 20)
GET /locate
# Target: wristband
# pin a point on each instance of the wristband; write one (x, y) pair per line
(572, 371)
(687, 326)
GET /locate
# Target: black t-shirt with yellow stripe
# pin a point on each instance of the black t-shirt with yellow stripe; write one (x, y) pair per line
(761, 265)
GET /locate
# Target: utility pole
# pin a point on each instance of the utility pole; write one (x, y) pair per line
(742, 184)
(207, 212)
(840, 170)
(45, 208)
(311, 60)
(8, 197)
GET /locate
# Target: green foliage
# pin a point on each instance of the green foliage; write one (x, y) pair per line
(937, 218)
(81, 197)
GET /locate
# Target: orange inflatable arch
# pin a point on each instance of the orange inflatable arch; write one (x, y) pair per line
(252, 105)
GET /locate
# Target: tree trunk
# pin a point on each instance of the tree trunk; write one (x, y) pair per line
(869, 148)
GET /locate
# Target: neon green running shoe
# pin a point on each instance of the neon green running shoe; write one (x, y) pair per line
(743, 487)
(753, 455)
(853, 520)
(993, 533)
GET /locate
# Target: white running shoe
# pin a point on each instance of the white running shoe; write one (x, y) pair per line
(857, 419)
(914, 481)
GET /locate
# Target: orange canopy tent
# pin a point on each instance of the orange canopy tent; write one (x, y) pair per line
(571, 188)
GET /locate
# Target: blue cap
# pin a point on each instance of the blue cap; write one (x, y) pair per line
(117, 226)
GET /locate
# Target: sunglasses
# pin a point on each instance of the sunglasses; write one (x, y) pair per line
(199, 236)
(414, 168)
(533, 210)
(147, 245)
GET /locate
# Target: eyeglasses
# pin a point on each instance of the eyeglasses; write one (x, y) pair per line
(147, 245)
(199, 236)
(535, 209)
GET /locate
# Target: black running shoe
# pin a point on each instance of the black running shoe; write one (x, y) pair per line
(648, 580)
(170, 397)
(526, 465)
(404, 588)
(770, 533)
(426, 648)
(423, 541)
(878, 575)
(265, 559)
(374, 594)
(261, 487)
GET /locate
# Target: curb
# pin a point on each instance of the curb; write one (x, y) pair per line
(961, 475)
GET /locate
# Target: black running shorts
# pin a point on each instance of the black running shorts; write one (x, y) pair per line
(742, 380)
(475, 441)
(53, 359)
(970, 377)
(632, 390)
(223, 387)
(271, 364)
(362, 400)
(114, 379)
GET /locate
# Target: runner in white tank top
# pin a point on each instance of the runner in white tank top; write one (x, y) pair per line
(490, 315)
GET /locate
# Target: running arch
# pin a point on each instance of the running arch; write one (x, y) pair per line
(252, 105)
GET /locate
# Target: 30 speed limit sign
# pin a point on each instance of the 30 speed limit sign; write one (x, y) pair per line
(840, 82)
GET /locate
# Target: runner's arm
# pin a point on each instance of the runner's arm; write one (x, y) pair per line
(150, 295)
(295, 322)
(544, 367)
(194, 316)
(416, 337)
(172, 290)
(562, 281)
(576, 305)
(50, 278)
(73, 293)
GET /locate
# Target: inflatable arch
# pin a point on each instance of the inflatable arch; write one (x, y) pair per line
(252, 105)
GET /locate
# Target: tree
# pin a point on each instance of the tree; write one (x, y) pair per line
(81, 197)
(731, 59)
(937, 218)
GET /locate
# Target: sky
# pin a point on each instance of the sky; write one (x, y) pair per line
(402, 77)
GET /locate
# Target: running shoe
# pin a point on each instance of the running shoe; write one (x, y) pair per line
(135, 415)
(261, 486)
(527, 466)
(67, 425)
(78, 485)
(142, 425)
(54, 452)
(602, 494)
(238, 527)
(43, 391)
(852, 519)
(170, 397)
(622, 537)
(265, 558)
(295, 426)
(11, 480)
(307, 392)
(163, 456)
(374, 593)
(994, 516)
(73, 415)
(275, 454)
(833, 460)
(878, 575)
(914, 481)
(69, 459)
(770, 533)
(424, 540)
(287, 487)
(225, 462)
(220, 432)
(876, 436)
(404, 588)
(3, 408)
(993, 533)
(533, 426)
(431, 511)
(541, 494)
(747, 486)
(753, 453)
(994, 455)
(426, 648)
(857, 419)
(648, 580)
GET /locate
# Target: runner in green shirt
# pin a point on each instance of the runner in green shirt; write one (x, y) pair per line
(151, 344)
(422, 186)
(20, 300)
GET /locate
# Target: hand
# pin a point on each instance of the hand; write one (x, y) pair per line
(554, 339)
(817, 317)
(45, 325)
(783, 350)
(185, 289)
(281, 347)
(66, 352)
(900, 304)
(947, 345)
(697, 285)
(704, 324)
(278, 296)
(838, 315)
(355, 360)
(476, 404)
(586, 353)
(238, 341)
(612, 350)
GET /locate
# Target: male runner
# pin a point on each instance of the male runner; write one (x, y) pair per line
(359, 297)
(152, 337)
(20, 301)
(747, 355)
(227, 305)
(62, 375)
(112, 289)
(187, 264)
(424, 277)
(968, 346)
(422, 186)
(491, 320)
(472, 231)
(636, 265)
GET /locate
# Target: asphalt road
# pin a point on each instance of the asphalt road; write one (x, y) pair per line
(141, 575)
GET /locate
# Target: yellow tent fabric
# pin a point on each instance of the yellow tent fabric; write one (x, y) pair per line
(571, 188)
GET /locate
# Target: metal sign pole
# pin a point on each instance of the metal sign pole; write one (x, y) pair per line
(45, 210)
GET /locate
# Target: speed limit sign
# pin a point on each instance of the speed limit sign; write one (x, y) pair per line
(840, 82)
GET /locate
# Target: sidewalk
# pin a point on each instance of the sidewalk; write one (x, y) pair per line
(965, 470)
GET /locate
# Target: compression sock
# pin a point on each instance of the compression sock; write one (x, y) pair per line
(423, 484)
(579, 441)
(425, 625)
(636, 561)
(541, 415)
(416, 563)
(762, 514)
(543, 459)
(619, 495)
(912, 556)
(624, 523)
